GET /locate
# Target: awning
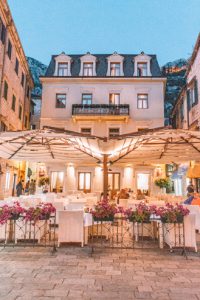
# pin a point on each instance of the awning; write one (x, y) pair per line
(194, 172)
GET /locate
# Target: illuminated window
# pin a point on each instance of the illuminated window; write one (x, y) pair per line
(87, 69)
(114, 99)
(62, 69)
(114, 69)
(84, 181)
(114, 181)
(7, 185)
(60, 100)
(142, 101)
(142, 69)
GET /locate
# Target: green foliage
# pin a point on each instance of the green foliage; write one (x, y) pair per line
(162, 182)
(43, 181)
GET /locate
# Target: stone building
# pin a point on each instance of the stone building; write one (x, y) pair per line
(15, 89)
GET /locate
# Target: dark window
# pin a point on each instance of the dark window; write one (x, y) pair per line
(16, 66)
(114, 69)
(142, 101)
(3, 127)
(62, 69)
(5, 92)
(25, 121)
(192, 94)
(33, 126)
(13, 102)
(28, 92)
(142, 69)
(114, 99)
(22, 79)
(87, 69)
(3, 33)
(86, 131)
(9, 49)
(60, 100)
(86, 99)
(20, 112)
(113, 132)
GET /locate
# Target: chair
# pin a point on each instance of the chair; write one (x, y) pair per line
(71, 227)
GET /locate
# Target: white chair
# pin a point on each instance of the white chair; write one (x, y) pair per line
(71, 227)
(195, 210)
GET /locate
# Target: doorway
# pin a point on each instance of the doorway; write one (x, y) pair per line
(57, 182)
(143, 182)
(113, 183)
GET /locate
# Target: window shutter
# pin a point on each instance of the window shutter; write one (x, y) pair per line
(196, 91)
(188, 99)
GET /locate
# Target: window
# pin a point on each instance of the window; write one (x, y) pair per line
(86, 99)
(114, 181)
(62, 69)
(84, 181)
(60, 100)
(22, 79)
(114, 99)
(87, 69)
(33, 126)
(142, 69)
(86, 131)
(20, 112)
(3, 126)
(142, 101)
(16, 66)
(7, 185)
(114, 69)
(13, 102)
(26, 121)
(5, 91)
(9, 49)
(192, 94)
(28, 92)
(3, 33)
(113, 132)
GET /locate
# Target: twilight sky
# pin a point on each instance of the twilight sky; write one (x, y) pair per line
(168, 28)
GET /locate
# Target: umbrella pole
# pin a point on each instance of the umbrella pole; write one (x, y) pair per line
(105, 175)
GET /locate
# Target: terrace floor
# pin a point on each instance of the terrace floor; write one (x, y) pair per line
(73, 273)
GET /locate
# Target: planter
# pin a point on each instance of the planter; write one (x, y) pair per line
(14, 217)
(105, 219)
(44, 217)
(179, 219)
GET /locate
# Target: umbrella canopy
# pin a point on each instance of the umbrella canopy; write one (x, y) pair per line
(49, 144)
(160, 145)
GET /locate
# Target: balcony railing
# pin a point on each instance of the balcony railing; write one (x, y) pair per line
(100, 109)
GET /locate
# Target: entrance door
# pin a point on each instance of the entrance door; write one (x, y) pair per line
(57, 181)
(84, 182)
(113, 183)
(143, 183)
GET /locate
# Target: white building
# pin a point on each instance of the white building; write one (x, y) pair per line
(102, 95)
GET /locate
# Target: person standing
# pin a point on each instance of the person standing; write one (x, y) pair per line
(31, 187)
(19, 188)
(190, 190)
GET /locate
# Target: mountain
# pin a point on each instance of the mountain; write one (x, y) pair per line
(37, 69)
(175, 73)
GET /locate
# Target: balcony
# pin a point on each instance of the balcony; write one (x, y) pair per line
(100, 112)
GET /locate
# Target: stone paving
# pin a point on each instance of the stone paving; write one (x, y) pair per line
(72, 273)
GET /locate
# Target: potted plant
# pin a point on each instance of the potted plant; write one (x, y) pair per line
(172, 213)
(141, 214)
(43, 181)
(162, 183)
(42, 211)
(104, 211)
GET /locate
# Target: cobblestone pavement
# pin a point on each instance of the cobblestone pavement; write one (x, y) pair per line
(72, 273)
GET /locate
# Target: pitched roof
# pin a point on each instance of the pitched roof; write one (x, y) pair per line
(101, 65)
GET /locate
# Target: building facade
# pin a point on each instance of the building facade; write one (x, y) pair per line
(15, 89)
(186, 112)
(102, 95)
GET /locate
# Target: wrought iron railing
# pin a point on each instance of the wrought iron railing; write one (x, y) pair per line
(100, 109)
(18, 232)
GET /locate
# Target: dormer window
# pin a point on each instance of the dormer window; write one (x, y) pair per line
(115, 65)
(88, 65)
(142, 65)
(62, 69)
(87, 69)
(114, 69)
(142, 69)
(63, 65)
